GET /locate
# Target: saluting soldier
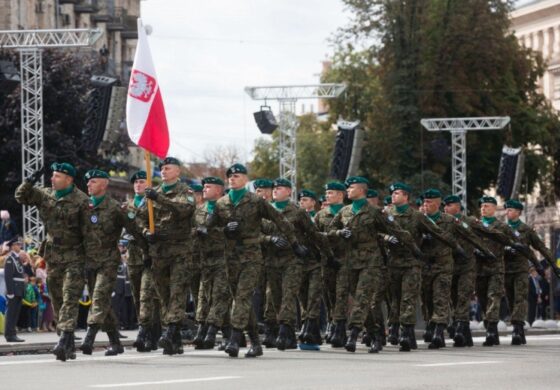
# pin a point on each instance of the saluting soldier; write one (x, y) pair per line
(173, 210)
(15, 289)
(240, 212)
(359, 224)
(61, 209)
(516, 268)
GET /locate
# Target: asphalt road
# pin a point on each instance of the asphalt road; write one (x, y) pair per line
(535, 366)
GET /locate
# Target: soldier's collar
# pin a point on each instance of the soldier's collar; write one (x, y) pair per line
(403, 208)
(488, 220)
(169, 187)
(514, 224)
(59, 194)
(335, 208)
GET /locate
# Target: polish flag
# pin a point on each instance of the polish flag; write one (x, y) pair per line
(145, 114)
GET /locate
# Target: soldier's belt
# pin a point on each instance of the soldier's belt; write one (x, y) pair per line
(248, 241)
(363, 245)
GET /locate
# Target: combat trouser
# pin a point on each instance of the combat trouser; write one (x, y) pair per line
(310, 293)
(489, 290)
(405, 289)
(283, 284)
(436, 287)
(169, 275)
(66, 283)
(360, 287)
(375, 320)
(462, 288)
(517, 287)
(214, 295)
(101, 282)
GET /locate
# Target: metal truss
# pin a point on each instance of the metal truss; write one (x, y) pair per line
(287, 96)
(458, 127)
(30, 43)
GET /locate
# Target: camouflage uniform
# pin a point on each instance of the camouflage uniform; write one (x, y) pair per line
(64, 252)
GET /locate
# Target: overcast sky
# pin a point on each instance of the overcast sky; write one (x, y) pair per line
(206, 52)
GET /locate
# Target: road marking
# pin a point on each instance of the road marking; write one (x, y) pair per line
(167, 382)
(457, 363)
(79, 360)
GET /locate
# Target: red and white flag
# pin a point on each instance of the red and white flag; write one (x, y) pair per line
(145, 114)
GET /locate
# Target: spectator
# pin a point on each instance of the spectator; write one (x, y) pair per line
(15, 289)
(29, 307)
(47, 314)
(535, 295)
(8, 228)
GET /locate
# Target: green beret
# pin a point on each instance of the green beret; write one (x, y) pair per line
(322, 199)
(487, 199)
(419, 201)
(432, 193)
(387, 200)
(356, 180)
(451, 199)
(65, 168)
(372, 193)
(400, 186)
(262, 183)
(169, 160)
(513, 204)
(196, 187)
(96, 174)
(307, 194)
(213, 180)
(335, 186)
(281, 182)
(140, 175)
(236, 168)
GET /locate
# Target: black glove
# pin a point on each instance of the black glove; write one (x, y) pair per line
(391, 239)
(301, 251)
(459, 253)
(345, 233)
(280, 242)
(147, 262)
(490, 255)
(151, 237)
(519, 247)
(231, 230)
(481, 255)
(427, 237)
(510, 250)
(418, 254)
(333, 263)
(201, 231)
(151, 194)
(35, 176)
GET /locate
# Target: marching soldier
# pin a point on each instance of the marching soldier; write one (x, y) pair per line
(240, 213)
(404, 268)
(307, 201)
(358, 224)
(140, 275)
(373, 197)
(516, 281)
(61, 209)
(173, 210)
(102, 225)
(15, 289)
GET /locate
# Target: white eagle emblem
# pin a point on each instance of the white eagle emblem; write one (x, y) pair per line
(142, 86)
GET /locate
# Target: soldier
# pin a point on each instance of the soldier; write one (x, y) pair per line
(15, 289)
(373, 197)
(198, 195)
(240, 213)
(437, 278)
(404, 268)
(516, 281)
(308, 201)
(358, 224)
(322, 202)
(140, 275)
(213, 297)
(61, 209)
(102, 224)
(333, 278)
(173, 210)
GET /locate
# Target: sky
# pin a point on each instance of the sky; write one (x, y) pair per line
(206, 52)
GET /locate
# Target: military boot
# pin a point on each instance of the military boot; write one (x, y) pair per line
(330, 332)
(405, 339)
(87, 344)
(303, 334)
(438, 341)
(140, 342)
(270, 334)
(339, 338)
(460, 339)
(155, 334)
(516, 334)
(522, 331)
(393, 338)
(198, 340)
(61, 348)
(232, 349)
(292, 339)
(429, 332)
(451, 329)
(313, 333)
(376, 343)
(226, 334)
(177, 340)
(350, 345)
(282, 339)
(491, 334)
(150, 343)
(71, 347)
(115, 346)
(210, 339)
(383, 336)
(256, 348)
(367, 338)
(468, 335)
(166, 340)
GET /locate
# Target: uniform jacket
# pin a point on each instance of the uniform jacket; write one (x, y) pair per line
(516, 262)
(13, 275)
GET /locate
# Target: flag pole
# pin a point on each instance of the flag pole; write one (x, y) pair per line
(149, 180)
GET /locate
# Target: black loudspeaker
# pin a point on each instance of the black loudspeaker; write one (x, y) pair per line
(266, 122)
(510, 173)
(9, 77)
(347, 150)
(98, 101)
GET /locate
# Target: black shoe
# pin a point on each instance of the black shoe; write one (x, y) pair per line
(232, 349)
(62, 350)
(270, 335)
(256, 349)
(115, 346)
(405, 341)
(313, 335)
(198, 340)
(522, 331)
(516, 334)
(376, 344)
(393, 337)
(438, 340)
(282, 339)
(460, 338)
(177, 340)
(366, 339)
(166, 340)
(71, 347)
(330, 332)
(226, 334)
(292, 339)
(339, 338)
(89, 340)
(491, 335)
(210, 339)
(468, 335)
(451, 329)
(140, 342)
(429, 332)
(304, 330)
(350, 345)
(14, 339)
